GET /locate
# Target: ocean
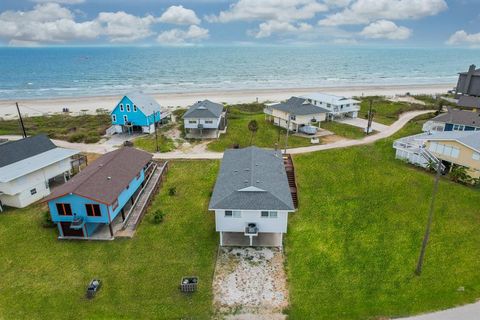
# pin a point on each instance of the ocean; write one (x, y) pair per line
(27, 73)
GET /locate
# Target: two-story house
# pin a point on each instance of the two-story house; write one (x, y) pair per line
(454, 120)
(468, 89)
(251, 198)
(204, 120)
(338, 107)
(29, 167)
(96, 197)
(295, 113)
(451, 147)
(137, 112)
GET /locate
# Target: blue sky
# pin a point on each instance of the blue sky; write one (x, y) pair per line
(240, 22)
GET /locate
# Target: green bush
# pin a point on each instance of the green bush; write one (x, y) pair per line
(92, 138)
(158, 217)
(76, 137)
(172, 191)
(47, 220)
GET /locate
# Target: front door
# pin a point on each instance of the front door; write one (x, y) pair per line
(69, 232)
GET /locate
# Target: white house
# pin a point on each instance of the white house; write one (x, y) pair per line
(252, 198)
(300, 111)
(28, 167)
(338, 107)
(204, 119)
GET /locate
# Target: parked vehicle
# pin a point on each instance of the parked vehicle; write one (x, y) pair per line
(310, 130)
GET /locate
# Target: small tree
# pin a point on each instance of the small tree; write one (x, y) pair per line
(253, 128)
(459, 174)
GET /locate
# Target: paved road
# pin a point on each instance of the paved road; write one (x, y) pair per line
(363, 123)
(466, 312)
(200, 153)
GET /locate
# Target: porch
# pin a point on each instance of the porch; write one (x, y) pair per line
(239, 239)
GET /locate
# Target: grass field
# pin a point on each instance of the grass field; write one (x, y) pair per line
(148, 143)
(86, 128)
(352, 246)
(267, 135)
(387, 112)
(45, 278)
(343, 130)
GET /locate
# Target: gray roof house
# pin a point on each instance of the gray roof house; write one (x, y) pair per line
(204, 119)
(468, 88)
(295, 113)
(454, 120)
(28, 167)
(252, 197)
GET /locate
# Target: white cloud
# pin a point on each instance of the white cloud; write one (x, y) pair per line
(123, 27)
(283, 10)
(384, 29)
(179, 15)
(59, 1)
(182, 37)
(45, 23)
(266, 29)
(462, 37)
(366, 11)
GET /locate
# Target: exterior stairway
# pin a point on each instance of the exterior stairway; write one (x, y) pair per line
(290, 170)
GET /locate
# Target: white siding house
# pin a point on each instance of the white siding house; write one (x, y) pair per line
(204, 119)
(252, 198)
(28, 167)
(338, 107)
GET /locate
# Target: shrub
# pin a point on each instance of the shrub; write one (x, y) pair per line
(158, 217)
(76, 137)
(47, 220)
(92, 138)
(172, 191)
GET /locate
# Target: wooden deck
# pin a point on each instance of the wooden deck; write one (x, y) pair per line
(290, 170)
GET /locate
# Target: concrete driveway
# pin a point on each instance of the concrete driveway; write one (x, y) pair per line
(362, 123)
(466, 312)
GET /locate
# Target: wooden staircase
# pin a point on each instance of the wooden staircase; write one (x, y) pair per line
(290, 170)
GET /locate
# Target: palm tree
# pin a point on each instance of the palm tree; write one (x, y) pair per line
(253, 128)
(459, 174)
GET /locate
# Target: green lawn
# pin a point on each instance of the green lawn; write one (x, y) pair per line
(85, 128)
(45, 278)
(266, 136)
(352, 246)
(344, 130)
(387, 112)
(148, 143)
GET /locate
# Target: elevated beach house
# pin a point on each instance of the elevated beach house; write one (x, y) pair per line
(204, 119)
(468, 88)
(460, 148)
(251, 198)
(96, 197)
(137, 112)
(454, 120)
(29, 168)
(337, 106)
(295, 113)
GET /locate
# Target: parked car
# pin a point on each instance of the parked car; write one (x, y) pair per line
(310, 130)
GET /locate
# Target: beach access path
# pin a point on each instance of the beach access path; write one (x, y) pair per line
(201, 153)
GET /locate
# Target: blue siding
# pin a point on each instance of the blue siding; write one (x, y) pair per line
(137, 118)
(126, 194)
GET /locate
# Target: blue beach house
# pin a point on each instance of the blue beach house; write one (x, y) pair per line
(97, 199)
(137, 112)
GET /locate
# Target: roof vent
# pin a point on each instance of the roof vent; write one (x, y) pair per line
(109, 178)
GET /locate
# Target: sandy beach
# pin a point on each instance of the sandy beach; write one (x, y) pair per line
(90, 104)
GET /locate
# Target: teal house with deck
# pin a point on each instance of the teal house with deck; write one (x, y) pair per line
(137, 112)
(98, 198)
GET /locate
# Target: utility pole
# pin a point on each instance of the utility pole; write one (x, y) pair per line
(155, 128)
(288, 129)
(21, 121)
(418, 270)
(370, 118)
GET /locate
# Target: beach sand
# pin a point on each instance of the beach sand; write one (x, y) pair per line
(90, 104)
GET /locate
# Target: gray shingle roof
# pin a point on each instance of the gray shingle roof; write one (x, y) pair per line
(299, 107)
(456, 116)
(204, 109)
(252, 179)
(144, 102)
(469, 102)
(15, 151)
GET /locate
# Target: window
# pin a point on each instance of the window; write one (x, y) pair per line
(64, 209)
(455, 152)
(93, 210)
(192, 121)
(458, 127)
(233, 214)
(445, 150)
(329, 105)
(134, 108)
(228, 214)
(114, 118)
(268, 214)
(125, 119)
(237, 214)
(433, 147)
(33, 191)
(128, 108)
(208, 121)
(292, 117)
(476, 156)
(121, 107)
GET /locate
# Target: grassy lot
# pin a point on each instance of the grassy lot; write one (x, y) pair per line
(352, 246)
(85, 128)
(387, 112)
(148, 143)
(344, 130)
(267, 135)
(44, 278)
